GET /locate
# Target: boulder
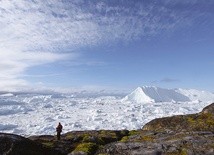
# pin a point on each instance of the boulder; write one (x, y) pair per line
(15, 145)
(203, 121)
(209, 109)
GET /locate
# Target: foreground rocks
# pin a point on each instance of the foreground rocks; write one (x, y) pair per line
(81, 142)
(17, 145)
(203, 121)
(151, 143)
(177, 135)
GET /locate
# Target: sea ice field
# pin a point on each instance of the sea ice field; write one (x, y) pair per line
(38, 114)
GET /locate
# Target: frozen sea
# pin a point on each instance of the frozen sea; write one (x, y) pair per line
(37, 114)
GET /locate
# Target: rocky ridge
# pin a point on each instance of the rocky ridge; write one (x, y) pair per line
(17, 145)
(176, 135)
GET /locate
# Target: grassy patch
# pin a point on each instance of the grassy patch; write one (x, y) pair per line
(147, 138)
(48, 144)
(69, 136)
(89, 148)
(93, 139)
(201, 122)
(105, 133)
(124, 139)
(183, 152)
(134, 132)
(108, 136)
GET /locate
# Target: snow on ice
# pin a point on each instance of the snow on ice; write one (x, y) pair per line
(154, 94)
(36, 114)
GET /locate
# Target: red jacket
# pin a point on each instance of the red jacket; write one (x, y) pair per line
(59, 128)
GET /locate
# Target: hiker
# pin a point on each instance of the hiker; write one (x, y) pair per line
(59, 130)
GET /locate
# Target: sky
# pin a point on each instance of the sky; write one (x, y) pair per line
(106, 44)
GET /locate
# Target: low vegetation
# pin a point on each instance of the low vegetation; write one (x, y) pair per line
(89, 148)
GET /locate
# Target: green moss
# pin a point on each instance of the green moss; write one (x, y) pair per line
(201, 122)
(69, 136)
(124, 139)
(124, 132)
(108, 134)
(105, 133)
(77, 138)
(48, 144)
(93, 139)
(134, 132)
(209, 120)
(86, 138)
(147, 138)
(178, 152)
(190, 120)
(183, 152)
(89, 148)
(100, 141)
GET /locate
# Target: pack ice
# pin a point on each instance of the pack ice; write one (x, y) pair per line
(39, 113)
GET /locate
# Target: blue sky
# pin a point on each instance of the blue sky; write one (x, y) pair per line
(112, 45)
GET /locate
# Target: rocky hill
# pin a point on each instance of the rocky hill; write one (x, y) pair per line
(176, 135)
(17, 145)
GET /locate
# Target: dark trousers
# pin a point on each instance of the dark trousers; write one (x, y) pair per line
(58, 135)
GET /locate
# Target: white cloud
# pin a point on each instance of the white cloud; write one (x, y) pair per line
(54, 26)
(13, 64)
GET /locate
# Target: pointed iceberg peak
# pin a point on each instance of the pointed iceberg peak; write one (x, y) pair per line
(150, 94)
(139, 96)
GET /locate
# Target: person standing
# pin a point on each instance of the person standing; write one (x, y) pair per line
(59, 130)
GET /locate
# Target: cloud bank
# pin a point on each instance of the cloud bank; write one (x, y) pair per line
(14, 63)
(54, 25)
(35, 32)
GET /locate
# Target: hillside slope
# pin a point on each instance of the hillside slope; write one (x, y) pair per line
(199, 95)
(177, 135)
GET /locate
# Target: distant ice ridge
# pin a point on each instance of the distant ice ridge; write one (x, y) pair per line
(6, 95)
(151, 94)
(197, 95)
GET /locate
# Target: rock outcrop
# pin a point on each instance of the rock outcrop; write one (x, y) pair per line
(17, 145)
(81, 142)
(209, 109)
(177, 135)
(203, 121)
(153, 143)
